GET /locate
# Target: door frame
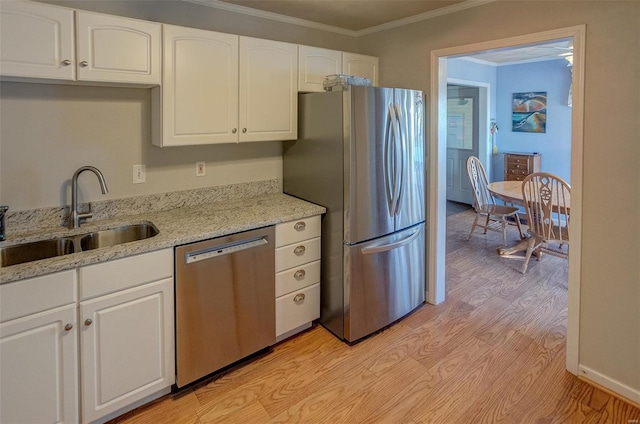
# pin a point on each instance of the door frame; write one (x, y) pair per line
(436, 175)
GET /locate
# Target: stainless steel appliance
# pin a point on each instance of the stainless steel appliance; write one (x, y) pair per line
(225, 301)
(360, 153)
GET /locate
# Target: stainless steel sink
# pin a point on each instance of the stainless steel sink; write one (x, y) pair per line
(64, 245)
(28, 252)
(118, 235)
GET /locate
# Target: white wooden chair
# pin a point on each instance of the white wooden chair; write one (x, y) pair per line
(546, 200)
(485, 205)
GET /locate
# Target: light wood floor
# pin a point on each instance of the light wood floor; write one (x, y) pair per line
(494, 352)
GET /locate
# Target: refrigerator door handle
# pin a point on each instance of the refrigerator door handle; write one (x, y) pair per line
(388, 165)
(396, 159)
(402, 141)
(386, 247)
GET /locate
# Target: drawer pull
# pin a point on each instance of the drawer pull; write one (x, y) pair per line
(68, 327)
(299, 250)
(300, 226)
(299, 297)
(299, 274)
(88, 322)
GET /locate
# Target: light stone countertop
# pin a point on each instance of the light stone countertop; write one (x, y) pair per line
(176, 226)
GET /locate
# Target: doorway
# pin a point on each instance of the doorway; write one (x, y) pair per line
(436, 213)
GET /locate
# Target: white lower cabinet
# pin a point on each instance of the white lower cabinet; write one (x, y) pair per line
(38, 351)
(126, 334)
(297, 275)
(126, 347)
(113, 350)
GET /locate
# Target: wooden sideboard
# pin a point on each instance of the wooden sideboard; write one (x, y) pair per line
(518, 165)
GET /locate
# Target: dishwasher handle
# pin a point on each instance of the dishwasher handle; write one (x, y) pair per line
(224, 249)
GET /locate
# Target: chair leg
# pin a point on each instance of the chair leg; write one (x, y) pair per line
(530, 249)
(503, 222)
(522, 236)
(486, 224)
(473, 227)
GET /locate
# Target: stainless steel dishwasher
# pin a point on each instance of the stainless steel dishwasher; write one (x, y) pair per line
(225, 301)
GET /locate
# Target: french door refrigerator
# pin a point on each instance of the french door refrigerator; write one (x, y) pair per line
(360, 153)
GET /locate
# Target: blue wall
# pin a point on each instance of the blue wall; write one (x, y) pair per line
(555, 144)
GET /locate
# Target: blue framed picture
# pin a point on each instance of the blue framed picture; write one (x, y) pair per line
(530, 112)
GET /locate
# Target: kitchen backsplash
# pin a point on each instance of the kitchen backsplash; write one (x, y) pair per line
(37, 219)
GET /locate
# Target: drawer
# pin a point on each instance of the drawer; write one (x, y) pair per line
(120, 274)
(518, 166)
(297, 278)
(300, 229)
(37, 294)
(297, 254)
(518, 159)
(524, 172)
(297, 308)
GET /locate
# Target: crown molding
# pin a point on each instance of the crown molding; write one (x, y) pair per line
(467, 4)
(310, 24)
(217, 4)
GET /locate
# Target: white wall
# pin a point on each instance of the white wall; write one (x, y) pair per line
(610, 295)
(48, 131)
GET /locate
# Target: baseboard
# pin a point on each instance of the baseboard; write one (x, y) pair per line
(609, 385)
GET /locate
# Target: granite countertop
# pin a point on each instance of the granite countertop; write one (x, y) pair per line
(176, 226)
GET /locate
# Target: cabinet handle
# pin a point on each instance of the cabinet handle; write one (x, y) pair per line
(68, 327)
(299, 297)
(233, 131)
(300, 226)
(244, 130)
(88, 322)
(66, 62)
(84, 64)
(299, 250)
(299, 274)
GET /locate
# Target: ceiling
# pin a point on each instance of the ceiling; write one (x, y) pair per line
(357, 17)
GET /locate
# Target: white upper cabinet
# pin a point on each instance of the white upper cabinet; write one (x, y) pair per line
(44, 41)
(36, 40)
(314, 64)
(114, 49)
(200, 87)
(268, 90)
(360, 65)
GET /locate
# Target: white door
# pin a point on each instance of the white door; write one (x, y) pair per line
(126, 347)
(200, 87)
(268, 90)
(462, 140)
(36, 40)
(117, 49)
(38, 365)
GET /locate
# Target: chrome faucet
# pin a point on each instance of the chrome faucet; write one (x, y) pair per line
(3, 211)
(74, 219)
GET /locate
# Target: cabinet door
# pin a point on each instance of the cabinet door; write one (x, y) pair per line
(268, 90)
(36, 40)
(200, 87)
(117, 49)
(126, 347)
(314, 64)
(38, 358)
(360, 65)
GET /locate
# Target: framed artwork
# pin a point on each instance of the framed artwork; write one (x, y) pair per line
(530, 112)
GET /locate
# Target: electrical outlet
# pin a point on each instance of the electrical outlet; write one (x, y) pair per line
(200, 169)
(139, 174)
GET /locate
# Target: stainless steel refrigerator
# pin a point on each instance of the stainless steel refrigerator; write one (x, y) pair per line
(360, 153)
